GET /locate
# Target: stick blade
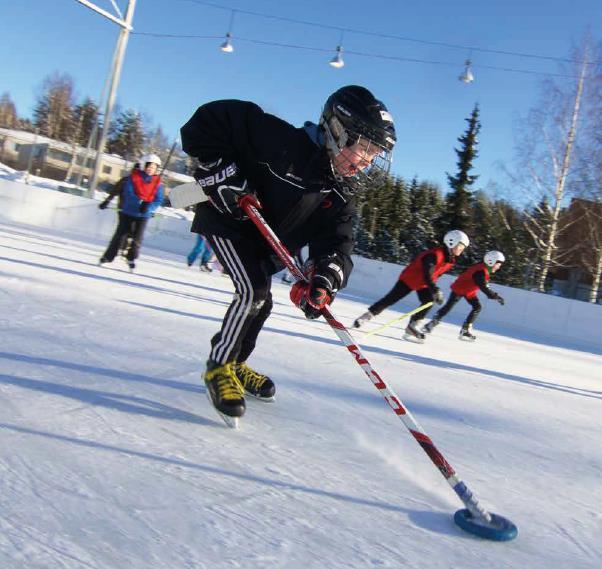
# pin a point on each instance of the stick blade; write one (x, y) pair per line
(499, 529)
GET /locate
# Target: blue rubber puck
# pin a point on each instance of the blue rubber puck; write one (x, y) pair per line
(499, 529)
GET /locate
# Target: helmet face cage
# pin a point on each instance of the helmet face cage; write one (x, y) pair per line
(455, 237)
(353, 118)
(493, 257)
(375, 172)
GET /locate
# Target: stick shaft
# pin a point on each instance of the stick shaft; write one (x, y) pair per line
(470, 501)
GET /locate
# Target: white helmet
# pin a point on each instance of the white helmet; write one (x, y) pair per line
(493, 257)
(455, 237)
(146, 158)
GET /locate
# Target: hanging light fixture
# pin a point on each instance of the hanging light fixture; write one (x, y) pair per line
(227, 46)
(337, 61)
(467, 76)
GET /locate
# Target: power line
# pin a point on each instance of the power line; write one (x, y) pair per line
(382, 35)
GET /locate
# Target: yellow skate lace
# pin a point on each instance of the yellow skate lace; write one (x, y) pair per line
(249, 378)
(228, 384)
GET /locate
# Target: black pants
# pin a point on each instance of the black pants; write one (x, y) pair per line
(451, 302)
(400, 290)
(128, 226)
(252, 302)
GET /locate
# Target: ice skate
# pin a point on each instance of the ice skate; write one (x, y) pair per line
(255, 384)
(103, 261)
(365, 317)
(412, 334)
(466, 333)
(225, 392)
(132, 266)
(430, 326)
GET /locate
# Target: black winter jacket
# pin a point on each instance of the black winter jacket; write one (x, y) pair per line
(288, 170)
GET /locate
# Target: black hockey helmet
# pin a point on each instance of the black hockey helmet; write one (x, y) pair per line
(351, 114)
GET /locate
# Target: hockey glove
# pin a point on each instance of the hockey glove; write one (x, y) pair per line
(438, 296)
(499, 299)
(143, 208)
(224, 185)
(104, 204)
(312, 297)
(325, 278)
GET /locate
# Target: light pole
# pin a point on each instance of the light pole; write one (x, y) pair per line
(122, 40)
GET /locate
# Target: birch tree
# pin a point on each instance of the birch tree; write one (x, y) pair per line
(547, 156)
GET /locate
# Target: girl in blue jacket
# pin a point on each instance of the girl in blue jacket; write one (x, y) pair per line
(142, 195)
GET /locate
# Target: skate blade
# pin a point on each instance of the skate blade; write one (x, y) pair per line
(262, 399)
(413, 339)
(463, 339)
(232, 422)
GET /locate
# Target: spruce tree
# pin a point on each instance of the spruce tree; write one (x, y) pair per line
(85, 116)
(512, 240)
(459, 201)
(126, 135)
(483, 237)
(425, 203)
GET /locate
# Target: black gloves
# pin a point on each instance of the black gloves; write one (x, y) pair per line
(499, 299)
(104, 204)
(224, 185)
(143, 208)
(438, 295)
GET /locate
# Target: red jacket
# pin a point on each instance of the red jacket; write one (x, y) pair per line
(146, 191)
(466, 284)
(414, 274)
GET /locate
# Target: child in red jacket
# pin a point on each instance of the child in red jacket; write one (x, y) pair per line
(467, 285)
(421, 275)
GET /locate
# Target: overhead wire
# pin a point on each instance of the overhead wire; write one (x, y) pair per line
(384, 35)
(347, 51)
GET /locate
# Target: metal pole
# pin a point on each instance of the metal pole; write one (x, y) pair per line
(115, 75)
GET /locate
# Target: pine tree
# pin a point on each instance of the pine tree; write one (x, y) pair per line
(85, 116)
(8, 112)
(157, 142)
(53, 113)
(425, 204)
(512, 240)
(400, 218)
(459, 201)
(483, 237)
(363, 241)
(384, 247)
(126, 135)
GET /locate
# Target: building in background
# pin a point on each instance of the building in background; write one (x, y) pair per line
(580, 247)
(49, 158)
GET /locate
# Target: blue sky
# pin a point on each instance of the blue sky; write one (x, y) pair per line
(169, 78)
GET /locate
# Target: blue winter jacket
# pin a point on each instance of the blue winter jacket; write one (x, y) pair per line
(131, 201)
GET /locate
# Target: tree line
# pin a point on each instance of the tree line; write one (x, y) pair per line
(58, 115)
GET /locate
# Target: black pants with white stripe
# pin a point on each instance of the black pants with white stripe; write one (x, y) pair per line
(252, 302)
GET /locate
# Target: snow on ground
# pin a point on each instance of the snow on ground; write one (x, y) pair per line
(111, 457)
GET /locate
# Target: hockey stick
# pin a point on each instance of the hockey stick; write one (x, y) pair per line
(474, 519)
(398, 318)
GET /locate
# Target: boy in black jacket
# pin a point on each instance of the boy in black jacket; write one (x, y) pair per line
(305, 179)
